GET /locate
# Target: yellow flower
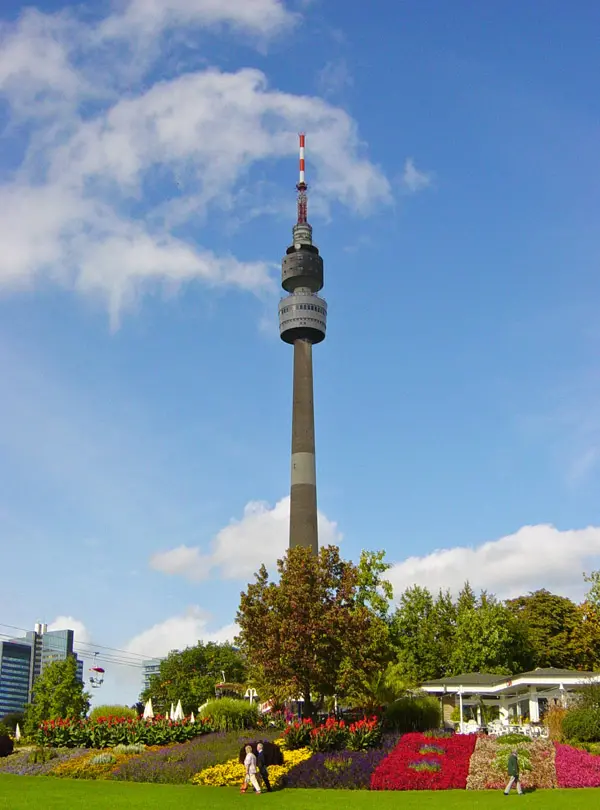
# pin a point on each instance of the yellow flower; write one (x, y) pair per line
(232, 773)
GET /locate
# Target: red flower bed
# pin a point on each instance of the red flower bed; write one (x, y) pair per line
(453, 754)
(575, 768)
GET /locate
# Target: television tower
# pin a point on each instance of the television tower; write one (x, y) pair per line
(302, 322)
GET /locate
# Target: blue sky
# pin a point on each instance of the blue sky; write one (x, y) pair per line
(147, 177)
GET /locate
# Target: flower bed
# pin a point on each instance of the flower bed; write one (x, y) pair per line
(488, 768)
(22, 763)
(403, 768)
(349, 770)
(92, 765)
(106, 732)
(334, 735)
(576, 768)
(232, 773)
(177, 764)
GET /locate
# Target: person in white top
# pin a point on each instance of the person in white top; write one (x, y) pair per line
(250, 765)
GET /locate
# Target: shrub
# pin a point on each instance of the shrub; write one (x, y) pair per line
(5, 731)
(6, 745)
(297, 735)
(412, 714)
(229, 714)
(554, 721)
(112, 711)
(134, 748)
(272, 752)
(582, 724)
(103, 759)
(41, 755)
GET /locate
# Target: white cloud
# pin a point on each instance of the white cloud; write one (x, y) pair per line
(178, 632)
(414, 180)
(533, 557)
(149, 17)
(178, 151)
(238, 550)
(81, 634)
(334, 77)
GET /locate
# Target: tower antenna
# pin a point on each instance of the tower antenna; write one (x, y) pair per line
(301, 186)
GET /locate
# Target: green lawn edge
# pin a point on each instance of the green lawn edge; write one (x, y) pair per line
(49, 793)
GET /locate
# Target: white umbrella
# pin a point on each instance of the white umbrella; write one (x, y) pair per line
(148, 711)
(172, 712)
(192, 718)
(17, 733)
(178, 711)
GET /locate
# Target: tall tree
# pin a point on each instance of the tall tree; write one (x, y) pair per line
(414, 636)
(553, 624)
(489, 638)
(313, 633)
(190, 675)
(57, 694)
(444, 623)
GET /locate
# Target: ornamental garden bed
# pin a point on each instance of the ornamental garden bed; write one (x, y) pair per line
(422, 762)
(488, 768)
(331, 756)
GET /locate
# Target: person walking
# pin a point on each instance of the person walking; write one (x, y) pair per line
(513, 773)
(262, 766)
(250, 765)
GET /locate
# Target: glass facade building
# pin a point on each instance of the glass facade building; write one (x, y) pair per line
(22, 660)
(151, 667)
(15, 661)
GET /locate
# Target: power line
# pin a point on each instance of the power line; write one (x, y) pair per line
(104, 657)
(93, 647)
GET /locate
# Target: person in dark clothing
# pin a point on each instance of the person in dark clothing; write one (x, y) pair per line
(513, 773)
(262, 766)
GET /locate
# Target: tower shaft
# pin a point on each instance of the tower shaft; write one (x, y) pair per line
(302, 322)
(303, 492)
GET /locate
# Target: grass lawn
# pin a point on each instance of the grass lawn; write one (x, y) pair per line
(48, 793)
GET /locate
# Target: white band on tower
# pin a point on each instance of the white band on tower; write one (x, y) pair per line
(301, 159)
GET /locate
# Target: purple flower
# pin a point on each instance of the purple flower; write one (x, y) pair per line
(350, 770)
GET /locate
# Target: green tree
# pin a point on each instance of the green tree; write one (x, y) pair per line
(414, 636)
(190, 675)
(553, 625)
(57, 694)
(374, 590)
(443, 619)
(315, 633)
(489, 638)
(592, 597)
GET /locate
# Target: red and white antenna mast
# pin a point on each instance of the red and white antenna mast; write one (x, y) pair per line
(302, 187)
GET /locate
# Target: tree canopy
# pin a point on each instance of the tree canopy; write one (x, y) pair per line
(319, 630)
(57, 694)
(191, 675)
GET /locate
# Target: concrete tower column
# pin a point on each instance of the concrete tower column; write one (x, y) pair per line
(302, 323)
(303, 492)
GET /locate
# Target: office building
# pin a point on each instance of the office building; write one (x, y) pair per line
(22, 661)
